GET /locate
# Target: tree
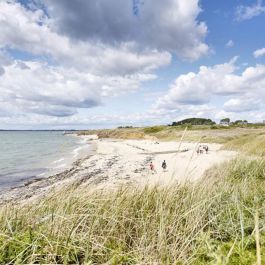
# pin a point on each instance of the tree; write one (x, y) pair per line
(241, 122)
(238, 121)
(226, 120)
(194, 121)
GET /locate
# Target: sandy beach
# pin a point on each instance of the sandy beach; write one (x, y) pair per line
(122, 162)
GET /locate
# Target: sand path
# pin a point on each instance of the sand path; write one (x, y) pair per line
(134, 156)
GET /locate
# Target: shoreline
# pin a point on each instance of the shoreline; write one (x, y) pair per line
(78, 153)
(27, 188)
(115, 163)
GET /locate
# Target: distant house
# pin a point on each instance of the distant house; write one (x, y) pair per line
(224, 123)
(243, 123)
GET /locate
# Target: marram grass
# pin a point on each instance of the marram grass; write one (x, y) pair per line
(209, 222)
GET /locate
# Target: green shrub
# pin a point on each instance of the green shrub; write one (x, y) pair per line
(154, 129)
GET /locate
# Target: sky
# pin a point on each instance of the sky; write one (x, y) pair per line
(86, 64)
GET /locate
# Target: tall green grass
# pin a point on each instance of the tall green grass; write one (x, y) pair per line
(209, 222)
(251, 144)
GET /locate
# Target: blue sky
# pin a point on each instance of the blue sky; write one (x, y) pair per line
(83, 64)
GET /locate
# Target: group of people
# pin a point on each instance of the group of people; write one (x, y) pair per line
(152, 167)
(202, 148)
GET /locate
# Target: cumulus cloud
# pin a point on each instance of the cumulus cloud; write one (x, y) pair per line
(244, 12)
(88, 51)
(83, 74)
(169, 25)
(259, 52)
(240, 92)
(197, 88)
(4, 61)
(230, 44)
(242, 104)
(58, 91)
(29, 31)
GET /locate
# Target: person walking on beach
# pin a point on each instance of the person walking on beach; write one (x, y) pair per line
(152, 167)
(206, 149)
(164, 165)
(198, 150)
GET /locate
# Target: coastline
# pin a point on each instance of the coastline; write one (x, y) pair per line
(42, 182)
(113, 163)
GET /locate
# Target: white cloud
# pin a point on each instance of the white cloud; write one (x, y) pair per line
(243, 92)
(259, 52)
(197, 88)
(251, 116)
(151, 117)
(83, 75)
(4, 61)
(169, 25)
(230, 44)
(86, 52)
(247, 12)
(242, 104)
(30, 31)
(58, 91)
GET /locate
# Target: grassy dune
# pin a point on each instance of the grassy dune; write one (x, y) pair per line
(196, 133)
(209, 222)
(251, 144)
(131, 133)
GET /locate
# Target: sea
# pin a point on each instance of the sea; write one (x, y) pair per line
(25, 155)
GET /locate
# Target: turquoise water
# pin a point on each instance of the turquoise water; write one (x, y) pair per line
(31, 154)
